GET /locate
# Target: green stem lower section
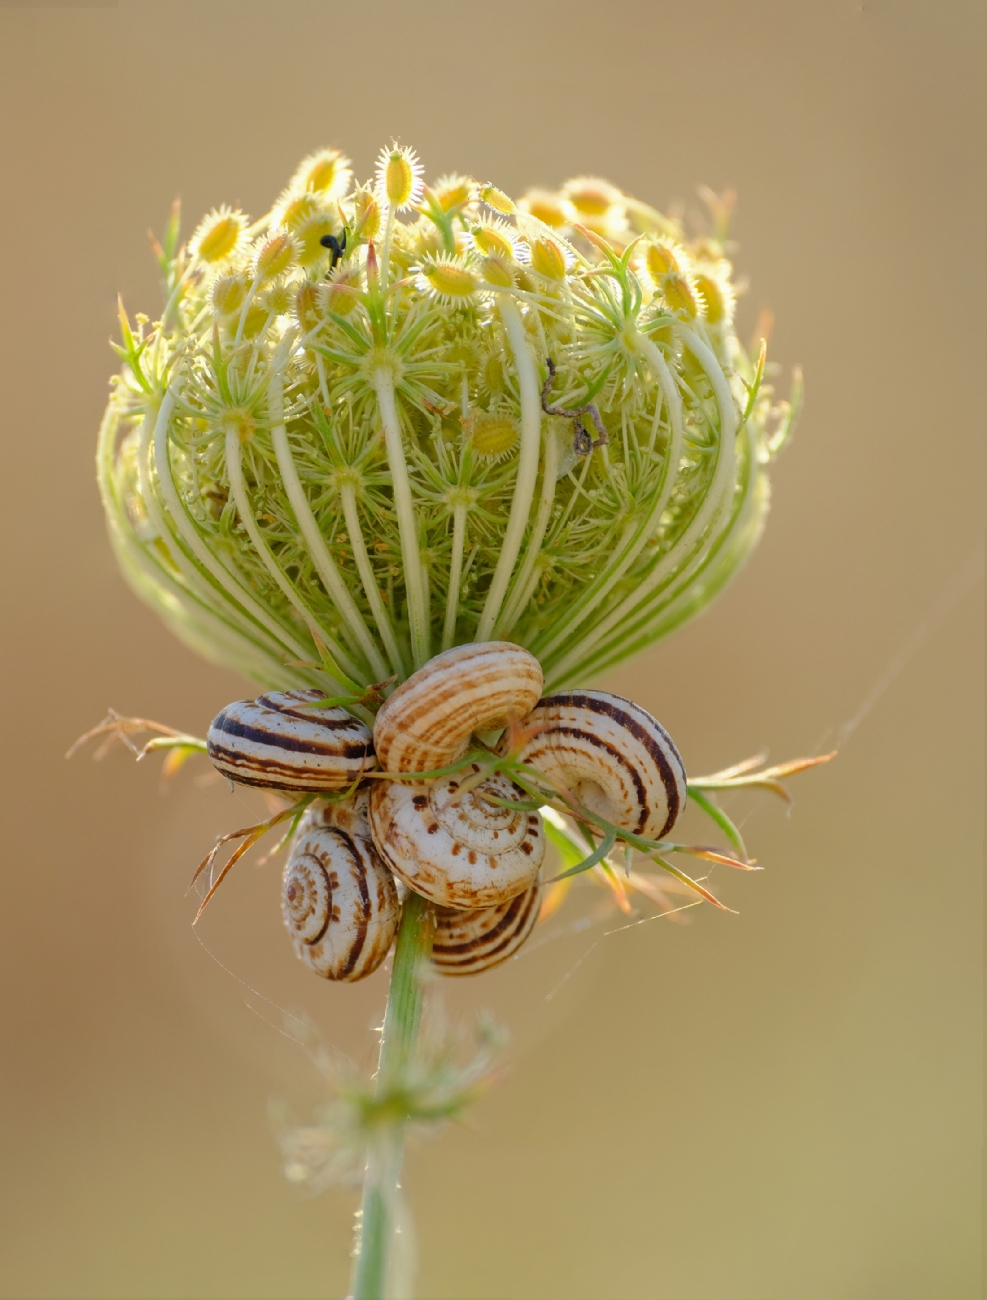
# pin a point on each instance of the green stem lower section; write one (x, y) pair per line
(397, 1050)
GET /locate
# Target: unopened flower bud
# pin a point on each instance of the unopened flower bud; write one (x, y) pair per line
(678, 295)
(219, 236)
(547, 259)
(497, 270)
(399, 177)
(449, 281)
(548, 208)
(275, 257)
(497, 199)
(228, 294)
(492, 434)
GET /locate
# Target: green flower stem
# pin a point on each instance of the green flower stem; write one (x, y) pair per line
(200, 551)
(335, 586)
(711, 505)
(527, 578)
(527, 471)
(635, 539)
(238, 490)
(455, 574)
(347, 497)
(397, 1051)
(383, 382)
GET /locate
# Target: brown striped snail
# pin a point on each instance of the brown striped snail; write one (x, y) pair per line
(285, 741)
(467, 943)
(339, 901)
(456, 849)
(611, 755)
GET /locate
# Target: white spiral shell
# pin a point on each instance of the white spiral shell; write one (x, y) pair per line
(467, 943)
(457, 850)
(427, 723)
(339, 901)
(612, 755)
(281, 742)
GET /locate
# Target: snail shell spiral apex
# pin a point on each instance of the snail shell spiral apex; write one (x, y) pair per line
(426, 724)
(457, 850)
(612, 755)
(467, 943)
(339, 901)
(283, 741)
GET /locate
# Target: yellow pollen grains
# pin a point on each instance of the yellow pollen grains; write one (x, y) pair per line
(497, 199)
(275, 257)
(327, 173)
(678, 295)
(550, 209)
(547, 259)
(492, 434)
(228, 294)
(219, 236)
(399, 177)
(449, 281)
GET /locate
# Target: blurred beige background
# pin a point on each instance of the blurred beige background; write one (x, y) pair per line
(784, 1103)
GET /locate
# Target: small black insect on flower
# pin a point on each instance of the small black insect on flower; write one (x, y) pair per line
(338, 246)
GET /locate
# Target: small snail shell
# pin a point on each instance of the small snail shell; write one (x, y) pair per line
(469, 942)
(457, 850)
(616, 759)
(339, 901)
(427, 722)
(279, 741)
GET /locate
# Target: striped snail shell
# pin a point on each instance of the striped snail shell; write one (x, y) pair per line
(457, 850)
(469, 942)
(612, 755)
(339, 901)
(427, 723)
(281, 742)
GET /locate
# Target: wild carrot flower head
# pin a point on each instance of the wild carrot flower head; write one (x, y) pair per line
(386, 419)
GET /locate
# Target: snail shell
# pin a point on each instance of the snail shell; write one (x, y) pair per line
(612, 755)
(427, 723)
(457, 850)
(469, 942)
(339, 901)
(279, 741)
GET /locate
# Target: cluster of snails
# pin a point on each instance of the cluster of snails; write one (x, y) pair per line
(467, 842)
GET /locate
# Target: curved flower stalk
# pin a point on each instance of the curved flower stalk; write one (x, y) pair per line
(359, 432)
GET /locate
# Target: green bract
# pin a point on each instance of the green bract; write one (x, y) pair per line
(343, 447)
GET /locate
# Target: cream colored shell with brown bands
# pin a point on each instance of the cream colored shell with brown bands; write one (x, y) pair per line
(457, 850)
(612, 755)
(281, 742)
(467, 943)
(339, 902)
(427, 723)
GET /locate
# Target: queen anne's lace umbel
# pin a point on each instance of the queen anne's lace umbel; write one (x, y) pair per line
(387, 419)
